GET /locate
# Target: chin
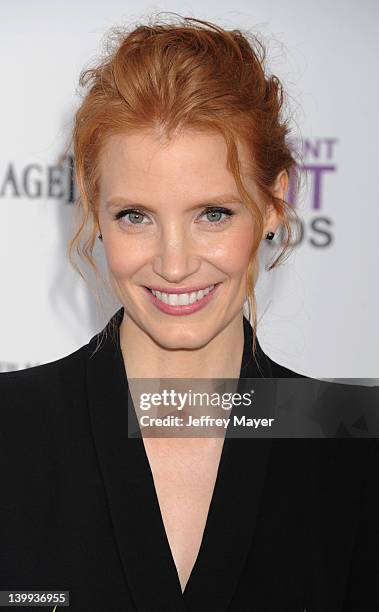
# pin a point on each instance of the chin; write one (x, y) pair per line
(181, 338)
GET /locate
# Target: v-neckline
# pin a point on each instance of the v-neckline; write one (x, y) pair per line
(133, 501)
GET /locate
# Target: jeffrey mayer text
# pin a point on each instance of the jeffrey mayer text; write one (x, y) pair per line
(203, 421)
(206, 421)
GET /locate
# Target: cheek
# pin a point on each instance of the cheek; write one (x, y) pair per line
(230, 252)
(122, 259)
(233, 253)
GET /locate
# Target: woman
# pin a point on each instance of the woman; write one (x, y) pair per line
(182, 166)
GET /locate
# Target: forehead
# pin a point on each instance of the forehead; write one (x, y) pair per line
(190, 162)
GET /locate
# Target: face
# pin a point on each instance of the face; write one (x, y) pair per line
(173, 222)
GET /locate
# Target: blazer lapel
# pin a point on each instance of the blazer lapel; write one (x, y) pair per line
(234, 507)
(134, 509)
(139, 531)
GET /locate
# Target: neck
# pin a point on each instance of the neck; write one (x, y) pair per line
(220, 358)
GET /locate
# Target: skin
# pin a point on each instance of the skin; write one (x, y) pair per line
(175, 246)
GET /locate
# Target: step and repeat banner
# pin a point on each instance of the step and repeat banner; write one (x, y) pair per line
(318, 313)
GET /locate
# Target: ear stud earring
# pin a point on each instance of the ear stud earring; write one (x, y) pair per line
(270, 235)
(100, 237)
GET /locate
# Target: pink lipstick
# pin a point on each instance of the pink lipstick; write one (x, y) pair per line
(182, 309)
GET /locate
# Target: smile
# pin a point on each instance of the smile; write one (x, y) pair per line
(182, 303)
(182, 299)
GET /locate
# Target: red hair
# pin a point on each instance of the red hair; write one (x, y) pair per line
(172, 76)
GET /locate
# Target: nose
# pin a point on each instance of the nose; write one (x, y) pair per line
(177, 255)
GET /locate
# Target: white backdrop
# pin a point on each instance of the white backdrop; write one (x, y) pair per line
(319, 312)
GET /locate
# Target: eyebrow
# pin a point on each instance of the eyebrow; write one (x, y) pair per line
(224, 198)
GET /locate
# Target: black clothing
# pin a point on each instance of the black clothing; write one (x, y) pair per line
(292, 525)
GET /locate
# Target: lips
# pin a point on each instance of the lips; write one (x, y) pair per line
(177, 308)
(179, 290)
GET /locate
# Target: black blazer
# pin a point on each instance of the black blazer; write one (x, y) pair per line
(292, 526)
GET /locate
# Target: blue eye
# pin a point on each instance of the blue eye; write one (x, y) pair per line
(124, 213)
(217, 210)
(136, 216)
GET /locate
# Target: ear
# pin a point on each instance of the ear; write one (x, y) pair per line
(272, 217)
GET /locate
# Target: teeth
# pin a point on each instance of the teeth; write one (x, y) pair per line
(173, 299)
(181, 299)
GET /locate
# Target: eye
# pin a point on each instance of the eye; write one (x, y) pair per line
(213, 213)
(136, 216)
